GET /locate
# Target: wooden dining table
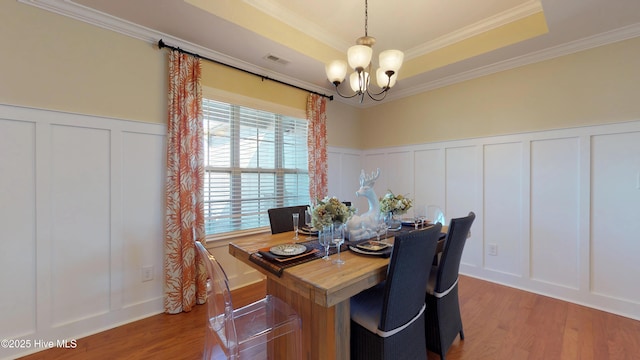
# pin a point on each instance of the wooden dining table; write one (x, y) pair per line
(318, 290)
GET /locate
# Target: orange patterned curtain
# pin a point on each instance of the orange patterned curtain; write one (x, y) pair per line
(185, 282)
(317, 146)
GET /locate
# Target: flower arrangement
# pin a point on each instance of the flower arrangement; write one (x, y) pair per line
(395, 204)
(328, 211)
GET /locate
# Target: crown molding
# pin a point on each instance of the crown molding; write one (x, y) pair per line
(492, 22)
(609, 37)
(91, 16)
(275, 10)
(309, 28)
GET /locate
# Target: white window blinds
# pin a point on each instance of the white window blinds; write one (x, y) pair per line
(254, 160)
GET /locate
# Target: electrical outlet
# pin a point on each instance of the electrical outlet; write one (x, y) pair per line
(493, 249)
(147, 273)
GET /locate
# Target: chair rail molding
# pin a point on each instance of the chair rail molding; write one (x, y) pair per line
(82, 217)
(554, 208)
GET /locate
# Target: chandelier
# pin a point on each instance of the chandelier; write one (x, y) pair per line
(359, 58)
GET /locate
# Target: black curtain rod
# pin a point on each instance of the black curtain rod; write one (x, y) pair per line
(161, 45)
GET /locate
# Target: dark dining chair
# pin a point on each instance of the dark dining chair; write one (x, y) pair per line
(387, 321)
(281, 219)
(443, 322)
(266, 329)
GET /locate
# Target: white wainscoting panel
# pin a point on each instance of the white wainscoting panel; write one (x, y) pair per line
(334, 174)
(142, 239)
(344, 166)
(17, 233)
(615, 230)
(503, 218)
(429, 177)
(555, 211)
(350, 178)
(82, 212)
(560, 205)
(80, 192)
(398, 174)
(462, 196)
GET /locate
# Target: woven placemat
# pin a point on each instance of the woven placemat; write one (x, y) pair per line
(277, 267)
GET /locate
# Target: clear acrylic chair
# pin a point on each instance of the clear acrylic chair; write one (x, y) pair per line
(266, 329)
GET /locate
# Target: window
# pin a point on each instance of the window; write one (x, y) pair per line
(254, 160)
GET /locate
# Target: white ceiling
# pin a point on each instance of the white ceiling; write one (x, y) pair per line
(413, 26)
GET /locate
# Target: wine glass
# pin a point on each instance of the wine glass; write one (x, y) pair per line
(380, 228)
(419, 214)
(338, 239)
(307, 222)
(325, 238)
(387, 219)
(296, 216)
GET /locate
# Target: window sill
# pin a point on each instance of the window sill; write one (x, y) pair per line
(235, 235)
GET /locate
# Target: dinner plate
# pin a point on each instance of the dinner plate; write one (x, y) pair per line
(413, 223)
(308, 231)
(372, 245)
(384, 253)
(288, 249)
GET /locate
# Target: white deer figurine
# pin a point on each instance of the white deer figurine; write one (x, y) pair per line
(363, 226)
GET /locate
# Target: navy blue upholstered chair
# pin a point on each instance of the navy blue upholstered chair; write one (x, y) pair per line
(443, 322)
(387, 321)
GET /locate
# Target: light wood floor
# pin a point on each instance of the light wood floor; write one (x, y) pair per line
(499, 323)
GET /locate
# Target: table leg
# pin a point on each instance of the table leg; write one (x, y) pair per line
(325, 330)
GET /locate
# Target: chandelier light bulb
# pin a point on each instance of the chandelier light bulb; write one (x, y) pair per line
(391, 60)
(359, 56)
(336, 71)
(359, 81)
(382, 79)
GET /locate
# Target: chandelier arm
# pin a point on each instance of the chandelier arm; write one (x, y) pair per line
(344, 96)
(383, 93)
(384, 90)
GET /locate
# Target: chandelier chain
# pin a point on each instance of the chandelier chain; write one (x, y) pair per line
(366, 18)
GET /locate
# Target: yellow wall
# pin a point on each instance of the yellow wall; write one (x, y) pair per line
(343, 125)
(236, 81)
(49, 61)
(596, 86)
(52, 62)
(496, 38)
